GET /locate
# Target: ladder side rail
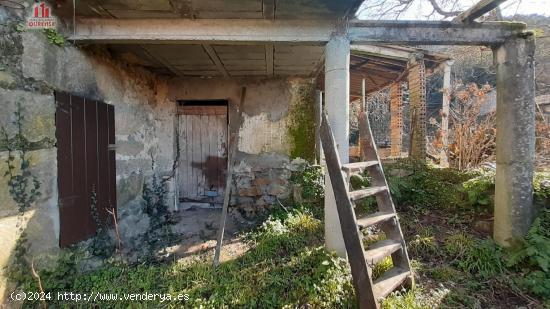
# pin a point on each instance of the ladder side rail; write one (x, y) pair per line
(392, 228)
(361, 273)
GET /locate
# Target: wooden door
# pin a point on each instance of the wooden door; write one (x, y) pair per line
(86, 165)
(202, 133)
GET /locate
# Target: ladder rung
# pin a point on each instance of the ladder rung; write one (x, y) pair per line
(378, 251)
(359, 194)
(389, 281)
(357, 166)
(373, 219)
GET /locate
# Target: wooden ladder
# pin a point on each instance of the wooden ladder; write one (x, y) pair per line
(361, 261)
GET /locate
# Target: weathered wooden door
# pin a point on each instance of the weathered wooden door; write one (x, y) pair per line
(86, 165)
(202, 133)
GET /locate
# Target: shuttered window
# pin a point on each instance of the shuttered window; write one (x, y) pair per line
(86, 165)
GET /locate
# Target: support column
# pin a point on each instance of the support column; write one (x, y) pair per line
(515, 138)
(445, 110)
(363, 109)
(337, 55)
(417, 107)
(318, 118)
(396, 119)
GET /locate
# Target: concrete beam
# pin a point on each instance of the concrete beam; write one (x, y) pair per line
(198, 31)
(268, 9)
(269, 59)
(431, 32)
(246, 31)
(378, 50)
(480, 8)
(515, 138)
(337, 82)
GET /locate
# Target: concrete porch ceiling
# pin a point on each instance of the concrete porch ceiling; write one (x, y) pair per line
(378, 65)
(211, 60)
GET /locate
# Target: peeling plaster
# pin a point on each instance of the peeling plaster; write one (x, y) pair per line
(259, 134)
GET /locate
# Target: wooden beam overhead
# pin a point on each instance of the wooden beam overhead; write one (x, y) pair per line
(214, 57)
(161, 60)
(381, 50)
(476, 11)
(382, 60)
(268, 9)
(305, 32)
(269, 59)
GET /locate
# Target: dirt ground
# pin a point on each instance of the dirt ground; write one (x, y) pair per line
(198, 228)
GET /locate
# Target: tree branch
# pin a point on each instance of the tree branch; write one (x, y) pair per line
(442, 12)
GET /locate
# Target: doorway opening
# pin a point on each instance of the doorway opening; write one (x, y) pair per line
(203, 139)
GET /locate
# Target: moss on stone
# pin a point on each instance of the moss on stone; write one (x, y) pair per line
(301, 123)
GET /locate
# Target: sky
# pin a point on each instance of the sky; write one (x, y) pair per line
(420, 9)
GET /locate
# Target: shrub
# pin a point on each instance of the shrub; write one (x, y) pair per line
(480, 190)
(423, 243)
(381, 267)
(312, 181)
(456, 245)
(541, 187)
(445, 273)
(415, 299)
(483, 259)
(532, 257)
(415, 183)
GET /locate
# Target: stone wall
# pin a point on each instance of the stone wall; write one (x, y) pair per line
(31, 70)
(264, 121)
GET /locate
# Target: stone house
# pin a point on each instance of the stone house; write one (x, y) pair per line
(144, 100)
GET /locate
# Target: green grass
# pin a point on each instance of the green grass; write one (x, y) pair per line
(423, 243)
(287, 267)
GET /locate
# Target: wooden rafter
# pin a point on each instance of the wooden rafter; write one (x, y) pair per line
(476, 11)
(215, 59)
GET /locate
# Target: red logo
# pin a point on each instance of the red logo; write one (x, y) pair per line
(41, 17)
(41, 9)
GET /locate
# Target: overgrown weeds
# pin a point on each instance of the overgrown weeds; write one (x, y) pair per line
(287, 267)
(531, 258)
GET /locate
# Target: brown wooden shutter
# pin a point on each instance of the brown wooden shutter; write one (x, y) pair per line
(84, 130)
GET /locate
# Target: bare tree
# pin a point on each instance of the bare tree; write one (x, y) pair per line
(430, 9)
(394, 9)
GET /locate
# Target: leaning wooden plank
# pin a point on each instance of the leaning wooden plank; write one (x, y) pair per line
(352, 240)
(233, 145)
(400, 258)
(227, 195)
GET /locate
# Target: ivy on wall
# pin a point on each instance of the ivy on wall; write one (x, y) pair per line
(301, 125)
(24, 189)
